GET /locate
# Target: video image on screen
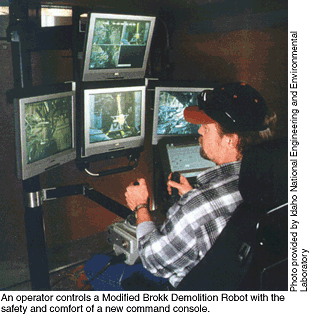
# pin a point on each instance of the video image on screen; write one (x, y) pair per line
(48, 126)
(114, 115)
(170, 115)
(118, 44)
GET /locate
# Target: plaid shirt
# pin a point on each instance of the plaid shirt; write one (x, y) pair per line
(192, 225)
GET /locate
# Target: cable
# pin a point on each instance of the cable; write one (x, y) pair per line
(166, 33)
(114, 260)
(67, 267)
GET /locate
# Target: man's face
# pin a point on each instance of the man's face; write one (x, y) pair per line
(213, 145)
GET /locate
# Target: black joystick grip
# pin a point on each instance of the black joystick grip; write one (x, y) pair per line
(136, 183)
(176, 178)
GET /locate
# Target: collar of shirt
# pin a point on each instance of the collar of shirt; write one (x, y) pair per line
(215, 173)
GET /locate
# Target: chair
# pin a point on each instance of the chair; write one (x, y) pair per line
(251, 252)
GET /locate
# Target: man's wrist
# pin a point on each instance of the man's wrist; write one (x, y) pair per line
(139, 207)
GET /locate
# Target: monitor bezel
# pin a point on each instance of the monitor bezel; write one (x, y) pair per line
(92, 75)
(158, 89)
(23, 169)
(115, 147)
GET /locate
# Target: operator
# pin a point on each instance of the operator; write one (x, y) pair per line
(232, 118)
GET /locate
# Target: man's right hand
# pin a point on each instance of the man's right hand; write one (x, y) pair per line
(183, 187)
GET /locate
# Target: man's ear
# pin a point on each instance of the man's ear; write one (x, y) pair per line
(232, 139)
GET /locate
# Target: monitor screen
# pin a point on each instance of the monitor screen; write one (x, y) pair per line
(45, 132)
(186, 159)
(117, 46)
(169, 105)
(114, 119)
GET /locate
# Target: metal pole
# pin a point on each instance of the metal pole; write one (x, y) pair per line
(35, 233)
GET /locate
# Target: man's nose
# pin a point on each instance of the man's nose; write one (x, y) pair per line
(200, 130)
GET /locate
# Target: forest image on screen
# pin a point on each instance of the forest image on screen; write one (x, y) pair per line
(118, 44)
(115, 115)
(170, 116)
(48, 127)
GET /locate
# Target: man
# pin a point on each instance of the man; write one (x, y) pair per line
(232, 118)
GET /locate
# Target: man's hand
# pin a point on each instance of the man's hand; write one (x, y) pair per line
(137, 194)
(183, 187)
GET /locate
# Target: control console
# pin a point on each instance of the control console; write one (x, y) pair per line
(122, 235)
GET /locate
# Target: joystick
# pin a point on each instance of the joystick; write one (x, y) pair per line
(176, 178)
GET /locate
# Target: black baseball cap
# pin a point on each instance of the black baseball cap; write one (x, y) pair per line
(235, 106)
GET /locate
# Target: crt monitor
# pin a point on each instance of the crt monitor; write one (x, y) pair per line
(169, 104)
(113, 119)
(116, 46)
(45, 129)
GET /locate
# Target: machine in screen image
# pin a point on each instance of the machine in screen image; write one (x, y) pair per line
(114, 115)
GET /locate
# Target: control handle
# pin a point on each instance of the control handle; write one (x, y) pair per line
(176, 178)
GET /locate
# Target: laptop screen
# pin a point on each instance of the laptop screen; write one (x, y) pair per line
(186, 159)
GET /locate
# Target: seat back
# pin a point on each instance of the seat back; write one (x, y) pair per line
(269, 268)
(251, 252)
